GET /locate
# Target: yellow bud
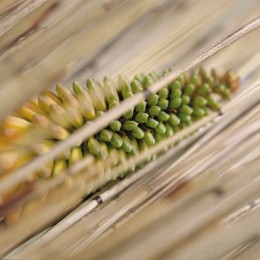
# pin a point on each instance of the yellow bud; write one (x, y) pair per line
(51, 95)
(58, 132)
(75, 155)
(85, 104)
(74, 117)
(43, 146)
(97, 95)
(59, 166)
(58, 116)
(66, 96)
(45, 103)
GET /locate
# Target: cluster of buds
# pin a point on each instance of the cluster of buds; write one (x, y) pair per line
(36, 127)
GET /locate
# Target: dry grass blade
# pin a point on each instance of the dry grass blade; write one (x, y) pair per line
(197, 214)
(75, 46)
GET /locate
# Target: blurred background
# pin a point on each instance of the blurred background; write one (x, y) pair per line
(45, 41)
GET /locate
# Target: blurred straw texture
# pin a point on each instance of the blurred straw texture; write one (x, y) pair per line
(46, 41)
(200, 200)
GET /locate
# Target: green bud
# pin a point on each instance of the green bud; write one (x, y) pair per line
(106, 135)
(152, 100)
(226, 94)
(113, 154)
(127, 145)
(213, 104)
(189, 89)
(175, 85)
(169, 130)
(174, 120)
(176, 128)
(163, 93)
(166, 71)
(153, 157)
(181, 79)
(175, 93)
(115, 125)
(198, 112)
(200, 101)
(129, 114)
(116, 141)
(184, 117)
(209, 81)
(113, 104)
(124, 87)
(186, 109)
(110, 91)
(136, 86)
(122, 158)
(158, 137)
(205, 110)
(144, 146)
(219, 88)
(93, 146)
(160, 128)
(149, 139)
(138, 133)
(185, 100)
(183, 124)
(202, 72)
(141, 107)
(175, 103)
(140, 78)
(154, 76)
(135, 150)
(147, 81)
(141, 117)
(194, 79)
(99, 114)
(128, 94)
(204, 89)
(154, 110)
(130, 125)
(163, 116)
(152, 123)
(103, 153)
(214, 73)
(163, 104)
